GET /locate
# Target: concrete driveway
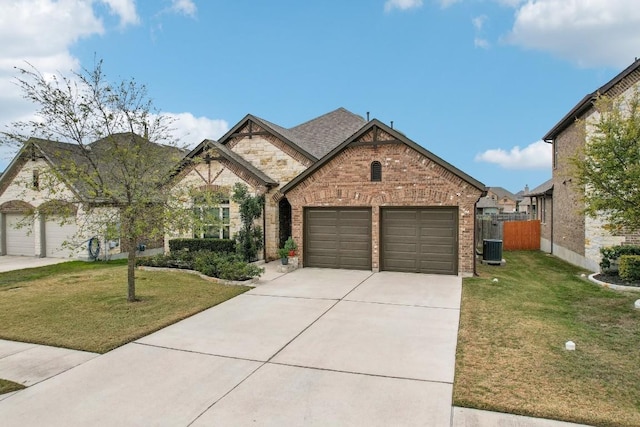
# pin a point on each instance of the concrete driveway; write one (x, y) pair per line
(12, 262)
(313, 347)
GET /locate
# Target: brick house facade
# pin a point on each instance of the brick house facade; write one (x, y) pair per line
(410, 177)
(573, 236)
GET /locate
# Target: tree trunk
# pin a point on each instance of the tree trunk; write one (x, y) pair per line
(131, 271)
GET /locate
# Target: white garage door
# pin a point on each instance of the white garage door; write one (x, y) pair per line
(19, 236)
(56, 235)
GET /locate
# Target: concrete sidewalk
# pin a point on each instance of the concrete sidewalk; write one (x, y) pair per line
(11, 262)
(30, 364)
(465, 417)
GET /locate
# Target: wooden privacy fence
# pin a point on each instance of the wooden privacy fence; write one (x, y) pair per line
(521, 235)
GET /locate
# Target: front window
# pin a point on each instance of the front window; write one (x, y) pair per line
(211, 218)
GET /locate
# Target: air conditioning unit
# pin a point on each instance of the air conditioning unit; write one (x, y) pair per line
(492, 251)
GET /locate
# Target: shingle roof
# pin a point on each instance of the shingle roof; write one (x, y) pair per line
(502, 193)
(68, 158)
(585, 103)
(543, 189)
(487, 202)
(322, 134)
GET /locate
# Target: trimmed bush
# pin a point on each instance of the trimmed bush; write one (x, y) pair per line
(225, 266)
(629, 268)
(176, 259)
(611, 254)
(214, 264)
(194, 245)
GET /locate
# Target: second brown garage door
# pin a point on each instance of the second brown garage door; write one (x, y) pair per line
(419, 240)
(337, 238)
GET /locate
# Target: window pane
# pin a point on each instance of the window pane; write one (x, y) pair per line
(225, 232)
(225, 215)
(210, 232)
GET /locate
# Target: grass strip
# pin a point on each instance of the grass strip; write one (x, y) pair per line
(83, 306)
(7, 386)
(511, 356)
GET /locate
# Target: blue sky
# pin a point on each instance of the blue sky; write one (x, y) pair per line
(476, 82)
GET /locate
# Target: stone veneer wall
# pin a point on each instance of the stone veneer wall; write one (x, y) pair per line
(274, 158)
(408, 179)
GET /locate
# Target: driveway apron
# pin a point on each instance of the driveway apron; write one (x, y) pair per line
(312, 347)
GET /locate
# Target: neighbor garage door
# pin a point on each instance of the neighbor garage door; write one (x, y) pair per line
(337, 238)
(19, 235)
(420, 240)
(56, 234)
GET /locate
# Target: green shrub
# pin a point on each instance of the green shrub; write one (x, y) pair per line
(214, 264)
(612, 253)
(225, 266)
(194, 245)
(629, 268)
(175, 259)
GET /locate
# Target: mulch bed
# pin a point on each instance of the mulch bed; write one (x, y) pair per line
(614, 279)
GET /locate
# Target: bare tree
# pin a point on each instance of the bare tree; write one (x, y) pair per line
(110, 146)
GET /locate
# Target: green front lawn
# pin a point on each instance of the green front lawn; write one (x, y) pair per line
(511, 355)
(84, 305)
(7, 386)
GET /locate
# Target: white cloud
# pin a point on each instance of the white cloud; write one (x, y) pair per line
(41, 33)
(481, 43)
(191, 130)
(510, 3)
(185, 7)
(588, 33)
(389, 5)
(478, 22)
(125, 9)
(446, 3)
(534, 156)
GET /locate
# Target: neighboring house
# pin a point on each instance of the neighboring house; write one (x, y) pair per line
(524, 204)
(575, 237)
(352, 193)
(43, 216)
(541, 199)
(505, 201)
(487, 206)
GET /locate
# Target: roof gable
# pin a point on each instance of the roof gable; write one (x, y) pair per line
(376, 133)
(313, 139)
(221, 151)
(501, 193)
(625, 79)
(64, 157)
(251, 126)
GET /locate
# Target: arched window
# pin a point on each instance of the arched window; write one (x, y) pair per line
(376, 171)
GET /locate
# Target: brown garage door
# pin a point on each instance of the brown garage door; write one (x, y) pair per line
(420, 240)
(337, 238)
